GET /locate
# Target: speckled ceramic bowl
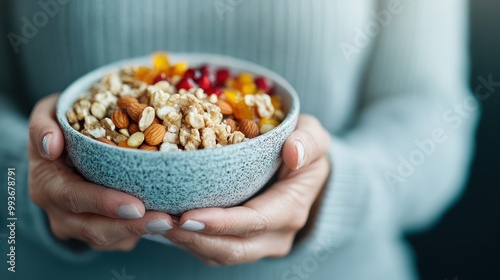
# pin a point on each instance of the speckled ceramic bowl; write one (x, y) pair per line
(175, 182)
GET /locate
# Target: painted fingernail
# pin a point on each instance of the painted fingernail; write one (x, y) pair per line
(128, 212)
(193, 225)
(300, 152)
(46, 144)
(158, 226)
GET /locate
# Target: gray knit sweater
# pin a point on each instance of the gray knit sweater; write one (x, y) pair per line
(387, 78)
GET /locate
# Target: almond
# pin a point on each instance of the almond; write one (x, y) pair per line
(120, 119)
(133, 128)
(124, 102)
(106, 141)
(154, 134)
(231, 123)
(157, 120)
(147, 147)
(249, 128)
(134, 110)
(225, 108)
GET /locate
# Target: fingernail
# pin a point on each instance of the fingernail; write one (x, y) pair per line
(193, 225)
(300, 152)
(128, 212)
(46, 143)
(158, 226)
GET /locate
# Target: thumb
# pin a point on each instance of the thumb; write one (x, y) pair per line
(45, 133)
(309, 142)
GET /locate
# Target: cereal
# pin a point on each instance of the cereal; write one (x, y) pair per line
(171, 107)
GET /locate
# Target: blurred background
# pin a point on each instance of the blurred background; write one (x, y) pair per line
(465, 243)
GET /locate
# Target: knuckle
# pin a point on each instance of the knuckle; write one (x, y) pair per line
(233, 256)
(261, 224)
(133, 230)
(68, 199)
(93, 235)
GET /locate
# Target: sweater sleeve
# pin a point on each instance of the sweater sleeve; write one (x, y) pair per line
(405, 158)
(32, 223)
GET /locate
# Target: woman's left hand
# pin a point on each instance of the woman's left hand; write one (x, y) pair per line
(265, 226)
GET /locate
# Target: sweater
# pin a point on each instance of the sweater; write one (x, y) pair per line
(387, 79)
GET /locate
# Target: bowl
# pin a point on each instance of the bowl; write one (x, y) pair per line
(175, 182)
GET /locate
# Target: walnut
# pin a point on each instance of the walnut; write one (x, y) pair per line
(236, 137)
(222, 132)
(208, 138)
(112, 82)
(108, 124)
(190, 138)
(264, 105)
(82, 109)
(105, 98)
(168, 147)
(194, 119)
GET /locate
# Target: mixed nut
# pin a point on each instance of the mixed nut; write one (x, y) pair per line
(173, 107)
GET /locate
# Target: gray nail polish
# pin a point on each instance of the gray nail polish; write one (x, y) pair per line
(46, 143)
(158, 226)
(193, 225)
(128, 212)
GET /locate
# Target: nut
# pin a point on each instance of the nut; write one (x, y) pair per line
(71, 116)
(147, 147)
(98, 110)
(168, 147)
(249, 128)
(208, 138)
(135, 140)
(133, 128)
(266, 127)
(123, 144)
(106, 141)
(154, 134)
(120, 119)
(225, 108)
(236, 137)
(231, 123)
(134, 110)
(124, 102)
(147, 117)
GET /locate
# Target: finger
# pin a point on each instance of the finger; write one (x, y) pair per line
(125, 245)
(102, 231)
(229, 250)
(45, 133)
(306, 144)
(70, 192)
(284, 206)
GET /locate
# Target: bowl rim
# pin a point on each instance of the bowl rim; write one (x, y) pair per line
(211, 59)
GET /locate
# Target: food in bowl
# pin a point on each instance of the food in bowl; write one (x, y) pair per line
(176, 182)
(173, 107)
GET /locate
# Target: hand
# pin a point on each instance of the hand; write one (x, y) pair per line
(265, 226)
(104, 218)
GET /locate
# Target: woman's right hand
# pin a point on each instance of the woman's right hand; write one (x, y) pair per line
(106, 219)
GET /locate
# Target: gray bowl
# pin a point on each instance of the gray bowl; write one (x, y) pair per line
(175, 182)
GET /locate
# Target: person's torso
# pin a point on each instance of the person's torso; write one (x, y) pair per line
(310, 43)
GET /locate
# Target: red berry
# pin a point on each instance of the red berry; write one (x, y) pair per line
(214, 90)
(205, 69)
(192, 74)
(160, 77)
(264, 84)
(204, 82)
(221, 76)
(186, 83)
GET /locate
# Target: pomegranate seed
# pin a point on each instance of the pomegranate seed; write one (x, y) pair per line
(186, 83)
(221, 76)
(214, 90)
(192, 73)
(160, 77)
(204, 82)
(205, 69)
(264, 84)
